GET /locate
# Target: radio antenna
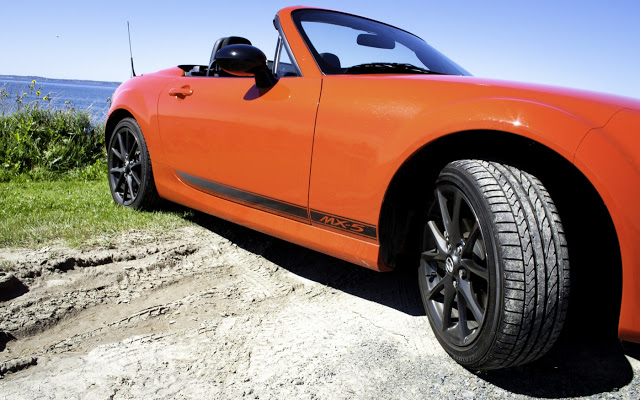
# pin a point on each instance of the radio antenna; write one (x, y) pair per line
(133, 71)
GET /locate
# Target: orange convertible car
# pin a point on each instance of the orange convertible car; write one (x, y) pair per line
(361, 141)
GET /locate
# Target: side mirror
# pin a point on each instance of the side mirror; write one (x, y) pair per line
(246, 60)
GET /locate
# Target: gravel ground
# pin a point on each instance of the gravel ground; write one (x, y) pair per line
(219, 311)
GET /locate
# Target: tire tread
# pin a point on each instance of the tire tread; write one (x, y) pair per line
(533, 252)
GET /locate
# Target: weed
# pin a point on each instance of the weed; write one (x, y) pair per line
(6, 266)
(43, 143)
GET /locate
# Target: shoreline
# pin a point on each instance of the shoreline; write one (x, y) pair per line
(41, 79)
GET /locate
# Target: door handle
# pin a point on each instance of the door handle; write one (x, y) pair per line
(181, 92)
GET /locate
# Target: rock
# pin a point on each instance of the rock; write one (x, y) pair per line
(17, 364)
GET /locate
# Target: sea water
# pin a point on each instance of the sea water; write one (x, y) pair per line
(91, 96)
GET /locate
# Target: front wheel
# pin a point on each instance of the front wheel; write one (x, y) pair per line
(494, 270)
(129, 167)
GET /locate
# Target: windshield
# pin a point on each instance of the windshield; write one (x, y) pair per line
(347, 44)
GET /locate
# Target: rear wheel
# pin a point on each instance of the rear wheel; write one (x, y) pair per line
(130, 175)
(494, 270)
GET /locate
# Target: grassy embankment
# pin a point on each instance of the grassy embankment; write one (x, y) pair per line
(53, 185)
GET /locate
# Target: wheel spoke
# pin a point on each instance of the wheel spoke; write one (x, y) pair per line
(462, 326)
(451, 225)
(433, 255)
(117, 154)
(133, 149)
(470, 300)
(124, 189)
(475, 268)
(118, 184)
(127, 141)
(123, 150)
(454, 233)
(444, 211)
(449, 295)
(116, 170)
(130, 187)
(135, 178)
(441, 242)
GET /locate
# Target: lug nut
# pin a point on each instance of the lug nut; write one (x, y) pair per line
(462, 273)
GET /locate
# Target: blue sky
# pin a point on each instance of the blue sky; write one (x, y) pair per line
(583, 44)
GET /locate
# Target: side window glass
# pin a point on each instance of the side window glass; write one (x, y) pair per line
(284, 65)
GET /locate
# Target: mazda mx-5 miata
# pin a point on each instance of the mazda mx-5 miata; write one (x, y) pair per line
(361, 141)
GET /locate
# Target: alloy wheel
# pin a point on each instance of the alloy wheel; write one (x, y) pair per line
(125, 167)
(455, 268)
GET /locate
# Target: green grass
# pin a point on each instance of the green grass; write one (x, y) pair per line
(53, 186)
(73, 212)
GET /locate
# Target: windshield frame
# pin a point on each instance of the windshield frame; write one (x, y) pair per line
(283, 45)
(330, 17)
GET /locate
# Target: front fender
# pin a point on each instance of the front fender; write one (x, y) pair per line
(554, 128)
(610, 158)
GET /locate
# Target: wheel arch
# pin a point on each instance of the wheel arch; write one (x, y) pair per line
(115, 117)
(410, 192)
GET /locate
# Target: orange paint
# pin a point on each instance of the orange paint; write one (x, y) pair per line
(610, 158)
(310, 159)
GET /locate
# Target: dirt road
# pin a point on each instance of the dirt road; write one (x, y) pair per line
(219, 311)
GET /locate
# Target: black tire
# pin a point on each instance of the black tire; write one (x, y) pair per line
(129, 165)
(494, 271)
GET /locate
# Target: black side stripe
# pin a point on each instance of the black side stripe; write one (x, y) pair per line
(241, 196)
(289, 210)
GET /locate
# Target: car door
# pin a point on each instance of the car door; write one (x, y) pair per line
(224, 136)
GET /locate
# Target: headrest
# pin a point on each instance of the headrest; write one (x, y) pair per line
(331, 63)
(225, 41)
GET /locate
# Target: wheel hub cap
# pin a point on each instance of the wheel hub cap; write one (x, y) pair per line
(450, 265)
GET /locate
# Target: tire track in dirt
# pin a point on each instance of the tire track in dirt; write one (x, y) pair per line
(193, 314)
